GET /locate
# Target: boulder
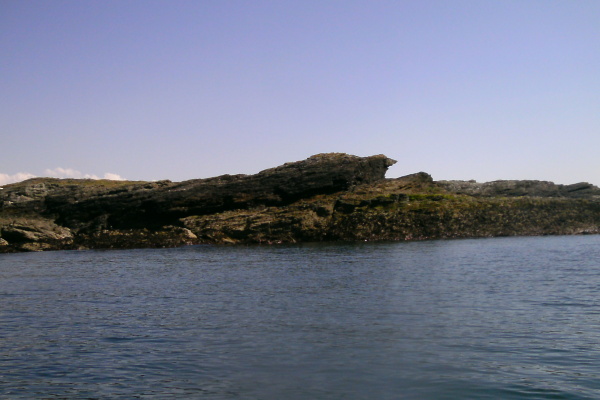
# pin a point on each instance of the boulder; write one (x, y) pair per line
(34, 231)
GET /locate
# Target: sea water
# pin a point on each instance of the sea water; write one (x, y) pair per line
(502, 318)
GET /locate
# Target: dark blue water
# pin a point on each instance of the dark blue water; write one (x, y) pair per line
(506, 318)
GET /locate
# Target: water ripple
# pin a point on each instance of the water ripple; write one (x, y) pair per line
(510, 318)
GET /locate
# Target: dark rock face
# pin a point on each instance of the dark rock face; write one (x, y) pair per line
(323, 198)
(165, 204)
(135, 211)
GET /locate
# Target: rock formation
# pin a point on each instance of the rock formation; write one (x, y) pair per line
(323, 198)
(521, 188)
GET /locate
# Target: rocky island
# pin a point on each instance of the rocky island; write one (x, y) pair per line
(327, 197)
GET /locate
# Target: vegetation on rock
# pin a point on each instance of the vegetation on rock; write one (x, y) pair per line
(328, 197)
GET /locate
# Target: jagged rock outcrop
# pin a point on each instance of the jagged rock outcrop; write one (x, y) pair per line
(325, 197)
(168, 202)
(101, 211)
(521, 188)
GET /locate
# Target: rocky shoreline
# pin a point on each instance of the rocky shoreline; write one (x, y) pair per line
(327, 197)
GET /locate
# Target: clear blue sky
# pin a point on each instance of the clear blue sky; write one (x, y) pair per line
(147, 89)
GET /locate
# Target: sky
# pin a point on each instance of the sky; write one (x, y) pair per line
(172, 89)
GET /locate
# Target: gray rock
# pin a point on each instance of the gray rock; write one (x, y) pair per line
(516, 188)
(34, 231)
(326, 197)
(166, 204)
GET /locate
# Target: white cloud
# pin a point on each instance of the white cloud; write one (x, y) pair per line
(5, 179)
(58, 172)
(73, 173)
(67, 173)
(113, 177)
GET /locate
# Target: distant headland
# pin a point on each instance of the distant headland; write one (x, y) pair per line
(327, 197)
